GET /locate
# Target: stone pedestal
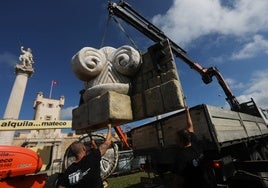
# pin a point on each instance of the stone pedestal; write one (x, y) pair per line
(96, 113)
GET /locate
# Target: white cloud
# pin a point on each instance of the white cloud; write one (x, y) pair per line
(234, 84)
(66, 113)
(7, 58)
(187, 20)
(252, 48)
(257, 89)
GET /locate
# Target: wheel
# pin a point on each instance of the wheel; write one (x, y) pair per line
(108, 161)
(264, 152)
(256, 155)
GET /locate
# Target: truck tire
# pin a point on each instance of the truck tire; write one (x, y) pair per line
(256, 155)
(264, 152)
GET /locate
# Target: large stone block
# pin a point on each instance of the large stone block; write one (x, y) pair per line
(156, 87)
(154, 81)
(80, 117)
(161, 99)
(153, 102)
(96, 113)
(169, 75)
(138, 106)
(172, 95)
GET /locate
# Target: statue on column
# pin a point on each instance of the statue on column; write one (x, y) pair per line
(26, 57)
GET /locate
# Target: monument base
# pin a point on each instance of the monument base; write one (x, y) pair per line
(93, 115)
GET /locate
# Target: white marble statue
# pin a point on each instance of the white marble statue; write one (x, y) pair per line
(106, 69)
(26, 57)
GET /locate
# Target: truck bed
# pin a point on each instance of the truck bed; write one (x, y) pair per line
(214, 126)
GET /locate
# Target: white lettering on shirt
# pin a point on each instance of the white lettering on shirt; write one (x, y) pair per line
(75, 177)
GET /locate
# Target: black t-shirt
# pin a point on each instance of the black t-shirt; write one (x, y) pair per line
(85, 173)
(188, 164)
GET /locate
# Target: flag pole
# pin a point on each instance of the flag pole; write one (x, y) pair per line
(51, 89)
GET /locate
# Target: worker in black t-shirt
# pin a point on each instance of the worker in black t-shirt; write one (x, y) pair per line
(85, 171)
(187, 168)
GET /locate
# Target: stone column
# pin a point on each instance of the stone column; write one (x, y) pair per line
(23, 72)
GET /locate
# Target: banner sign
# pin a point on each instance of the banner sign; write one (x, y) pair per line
(13, 125)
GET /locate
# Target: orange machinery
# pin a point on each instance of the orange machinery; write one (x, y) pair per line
(18, 168)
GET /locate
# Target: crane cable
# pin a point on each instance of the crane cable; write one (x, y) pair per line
(105, 31)
(124, 31)
(121, 28)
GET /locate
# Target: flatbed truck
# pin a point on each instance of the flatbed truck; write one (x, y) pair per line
(235, 141)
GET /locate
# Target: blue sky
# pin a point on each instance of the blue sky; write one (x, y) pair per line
(231, 35)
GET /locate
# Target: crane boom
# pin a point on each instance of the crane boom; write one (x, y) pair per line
(124, 11)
